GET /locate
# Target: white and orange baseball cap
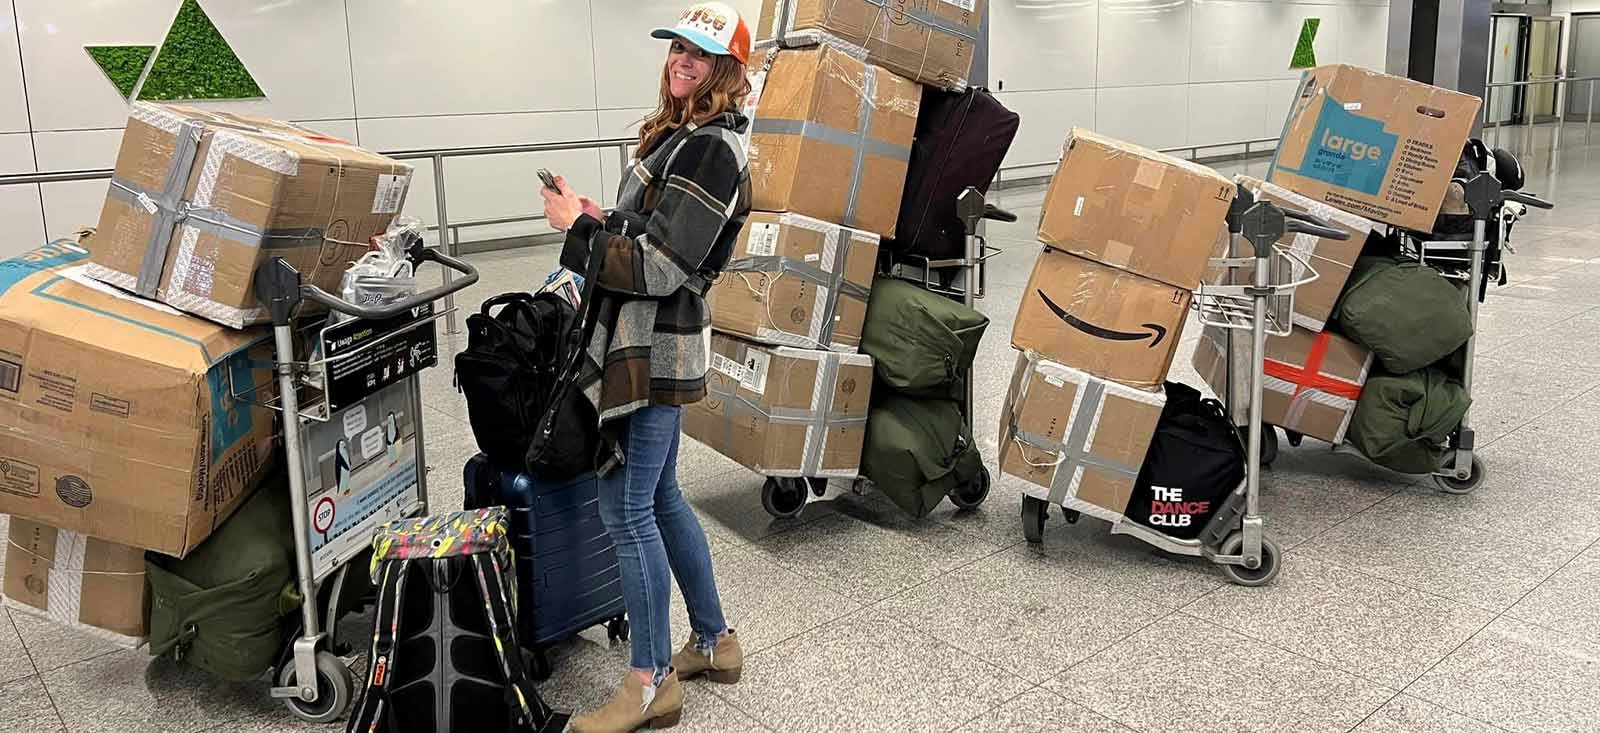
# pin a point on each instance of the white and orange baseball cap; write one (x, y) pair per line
(715, 27)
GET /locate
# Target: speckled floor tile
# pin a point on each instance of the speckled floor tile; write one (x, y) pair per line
(1519, 677)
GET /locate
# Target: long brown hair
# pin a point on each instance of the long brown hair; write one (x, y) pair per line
(724, 89)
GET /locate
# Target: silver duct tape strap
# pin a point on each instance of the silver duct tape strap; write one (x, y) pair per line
(820, 419)
(166, 203)
(833, 135)
(207, 220)
(864, 124)
(1299, 403)
(1074, 453)
(822, 399)
(923, 15)
(831, 283)
(830, 301)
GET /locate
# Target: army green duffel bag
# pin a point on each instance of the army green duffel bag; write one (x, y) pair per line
(921, 343)
(919, 451)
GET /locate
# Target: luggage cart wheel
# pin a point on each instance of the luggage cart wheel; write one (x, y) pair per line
(1034, 513)
(617, 629)
(783, 498)
(972, 494)
(335, 688)
(1242, 575)
(1453, 485)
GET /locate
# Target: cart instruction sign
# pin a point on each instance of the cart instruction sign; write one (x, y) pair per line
(364, 356)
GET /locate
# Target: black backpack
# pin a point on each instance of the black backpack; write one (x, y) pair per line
(519, 374)
(1195, 461)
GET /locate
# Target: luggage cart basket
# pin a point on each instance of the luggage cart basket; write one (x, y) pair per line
(963, 279)
(352, 423)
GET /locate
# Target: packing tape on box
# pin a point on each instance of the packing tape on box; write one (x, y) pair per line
(64, 586)
(817, 420)
(783, 32)
(828, 275)
(1307, 385)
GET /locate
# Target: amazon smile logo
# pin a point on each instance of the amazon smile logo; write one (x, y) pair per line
(1156, 332)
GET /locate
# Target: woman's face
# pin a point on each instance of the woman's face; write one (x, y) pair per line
(687, 67)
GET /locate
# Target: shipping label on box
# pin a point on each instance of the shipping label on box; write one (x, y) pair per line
(1077, 440)
(1135, 209)
(1107, 322)
(782, 411)
(1312, 380)
(143, 424)
(928, 41)
(90, 585)
(199, 200)
(1376, 145)
(1331, 259)
(796, 281)
(830, 137)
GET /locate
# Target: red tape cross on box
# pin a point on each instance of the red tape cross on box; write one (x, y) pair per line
(1309, 381)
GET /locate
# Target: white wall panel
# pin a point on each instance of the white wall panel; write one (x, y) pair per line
(422, 57)
(16, 153)
(70, 151)
(13, 105)
(23, 227)
(1280, 33)
(1280, 97)
(342, 129)
(1226, 112)
(1155, 117)
(1043, 45)
(1220, 50)
(628, 70)
(616, 123)
(71, 206)
(1143, 42)
(1363, 35)
(1047, 117)
(66, 90)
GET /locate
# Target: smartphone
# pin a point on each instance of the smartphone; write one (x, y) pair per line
(549, 179)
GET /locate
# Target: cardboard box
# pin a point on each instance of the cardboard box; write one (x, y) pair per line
(1135, 209)
(1077, 440)
(1330, 258)
(1312, 379)
(782, 411)
(199, 200)
(830, 137)
(796, 281)
(118, 413)
(1372, 144)
(91, 585)
(1109, 323)
(930, 41)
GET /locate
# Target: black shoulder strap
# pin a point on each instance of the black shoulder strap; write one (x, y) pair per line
(372, 708)
(533, 714)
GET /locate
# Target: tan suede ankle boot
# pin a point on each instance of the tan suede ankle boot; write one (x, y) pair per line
(628, 710)
(724, 664)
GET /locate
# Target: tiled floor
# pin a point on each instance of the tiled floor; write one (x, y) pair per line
(1400, 609)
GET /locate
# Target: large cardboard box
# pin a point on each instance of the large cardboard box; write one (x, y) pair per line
(91, 585)
(796, 281)
(782, 411)
(199, 200)
(930, 41)
(1330, 258)
(1135, 209)
(1107, 322)
(120, 417)
(1312, 381)
(1077, 440)
(1373, 144)
(830, 137)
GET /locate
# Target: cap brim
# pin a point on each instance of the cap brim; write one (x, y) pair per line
(705, 42)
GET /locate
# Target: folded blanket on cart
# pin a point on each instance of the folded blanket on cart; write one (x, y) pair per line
(1404, 422)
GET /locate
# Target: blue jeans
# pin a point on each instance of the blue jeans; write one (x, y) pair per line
(657, 533)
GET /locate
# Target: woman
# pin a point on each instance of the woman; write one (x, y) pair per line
(678, 213)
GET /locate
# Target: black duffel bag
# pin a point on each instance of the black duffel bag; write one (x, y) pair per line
(1195, 461)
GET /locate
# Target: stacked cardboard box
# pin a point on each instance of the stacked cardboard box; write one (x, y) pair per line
(1127, 235)
(929, 42)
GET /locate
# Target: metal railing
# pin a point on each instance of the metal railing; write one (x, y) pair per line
(1560, 101)
(1193, 150)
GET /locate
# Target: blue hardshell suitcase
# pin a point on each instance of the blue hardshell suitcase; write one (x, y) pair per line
(567, 574)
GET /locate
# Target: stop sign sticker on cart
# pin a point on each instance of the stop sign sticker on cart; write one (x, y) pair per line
(322, 517)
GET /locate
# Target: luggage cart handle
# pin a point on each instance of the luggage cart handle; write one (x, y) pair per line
(280, 287)
(1296, 222)
(1530, 200)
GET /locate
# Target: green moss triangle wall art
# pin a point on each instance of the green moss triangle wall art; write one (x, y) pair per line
(194, 62)
(1305, 52)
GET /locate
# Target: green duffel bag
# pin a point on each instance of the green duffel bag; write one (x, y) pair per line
(921, 343)
(222, 608)
(919, 451)
(1406, 312)
(1404, 422)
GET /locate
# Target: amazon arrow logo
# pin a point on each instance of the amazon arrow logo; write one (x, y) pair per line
(1159, 332)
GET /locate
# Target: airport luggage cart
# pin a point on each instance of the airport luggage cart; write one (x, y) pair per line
(353, 437)
(1234, 537)
(1489, 205)
(963, 279)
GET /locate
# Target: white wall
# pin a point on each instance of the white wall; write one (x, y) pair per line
(1164, 73)
(389, 74)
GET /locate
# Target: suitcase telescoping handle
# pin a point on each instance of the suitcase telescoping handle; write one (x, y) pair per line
(280, 287)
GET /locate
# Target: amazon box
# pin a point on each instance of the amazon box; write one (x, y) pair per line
(782, 411)
(1077, 440)
(1312, 380)
(1135, 209)
(199, 200)
(830, 137)
(124, 419)
(1105, 321)
(91, 585)
(796, 281)
(929, 41)
(1375, 145)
